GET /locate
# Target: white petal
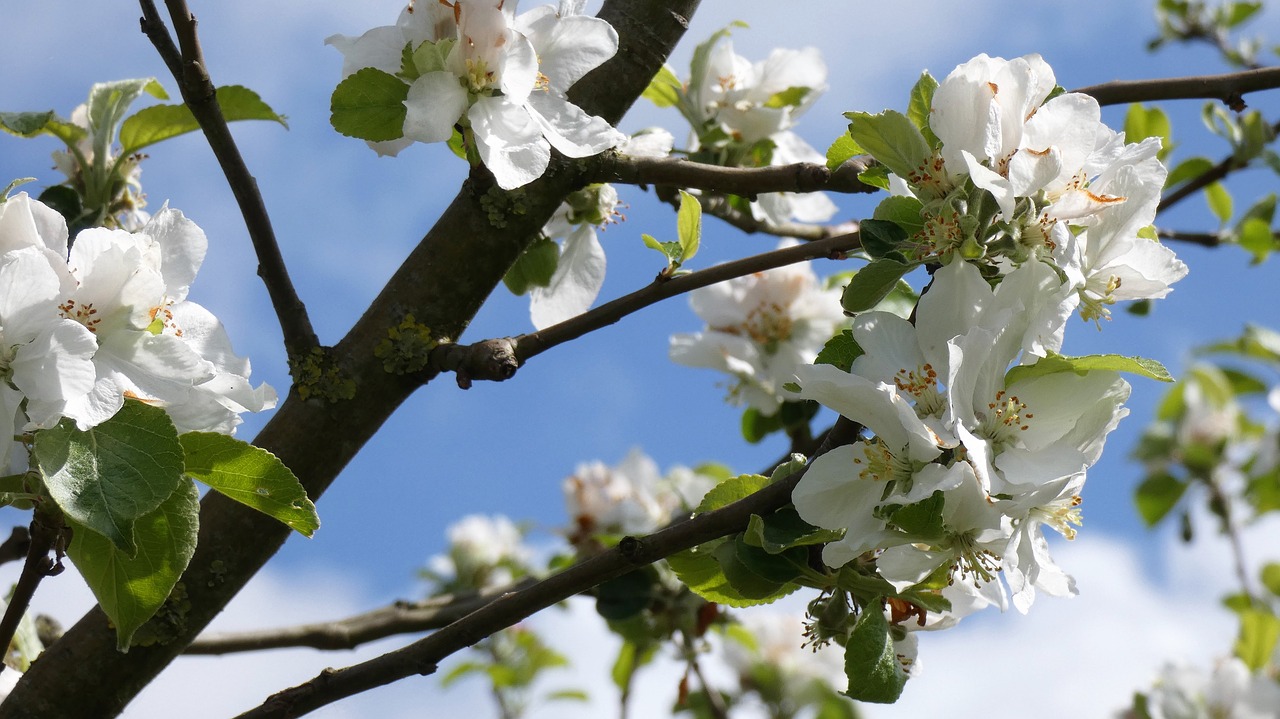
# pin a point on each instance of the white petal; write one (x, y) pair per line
(182, 248)
(576, 282)
(510, 142)
(569, 128)
(435, 103)
(54, 369)
(381, 48)
(571, 47)
(876, 406)
(992, 182)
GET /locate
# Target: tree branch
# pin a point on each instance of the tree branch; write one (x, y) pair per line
(399, 618)
(498, 359)
(718, 206)
(1225, 167)
(46, 536)
(442, 283)
(188, 68)
(1204, 239)
(1230, 88)
(423, 656)
(742, 181)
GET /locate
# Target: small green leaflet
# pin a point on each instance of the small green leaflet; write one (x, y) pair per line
(872, 284)
(109, 476)
(891, 138)
(664, 89)
(1259, 630)
(1220, 202)
(870, 663)
(131, 588)
(1157, 496)
(1188, 169)
(108, 102)
(153, 124)
(1142, 122)
(842, 150)
(840, 351)
(790, 97)
(369, 104)
(30, 124)
(1054, 363)
(905, 212)
(534, 267)
(689, 232)
(880, 237)
(431, 56)
(921, 105)
(251, 476)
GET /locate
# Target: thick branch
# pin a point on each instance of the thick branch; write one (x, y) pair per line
(423, 656)
(1229, 88)
(398, 618)
(498, 359)
(442, 283)
(743, 181)
(188, 68)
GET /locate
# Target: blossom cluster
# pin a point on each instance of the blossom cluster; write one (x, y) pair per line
(1229, 690)
(89, 323)
(742, 114)
(981, 434)
(475, 64)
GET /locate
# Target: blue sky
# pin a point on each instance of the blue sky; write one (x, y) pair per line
(346, 218)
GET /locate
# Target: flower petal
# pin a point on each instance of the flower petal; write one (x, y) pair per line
(510, 142)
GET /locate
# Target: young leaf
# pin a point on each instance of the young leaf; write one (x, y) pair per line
(108, 102)
(870, 663)
(1188, 169)
(843, 149)
(665, 89)
(534, 267)
(1219, 201)
(754, 574)
(784, 529)
(1055, 363)
(369, 104)
(840, 351)
(880, 237)
(131, 588)
(891, 138)
(109, 476)
(757, 425)
(921, 105)
(872, 284)
(1157, 496)
(153, 124)
(431, 56)
(1259, 631)
(698, 569)
(1255, 236)
(623, 597)
(1142, 122)
(689, 226)
(251, 476)
(902, 211)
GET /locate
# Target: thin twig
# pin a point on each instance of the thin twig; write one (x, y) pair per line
(46, 529)
(742, 181)
(498, 359)
(1229, 87)
(423, 656)
(1204, 239)
(719, 207)
(1218, 172)
(398, 618)
(188, 67)
(1232, 529)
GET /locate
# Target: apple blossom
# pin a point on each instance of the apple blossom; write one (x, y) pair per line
(580, 269)
(760, 329)
(632, 498)
(484, 552)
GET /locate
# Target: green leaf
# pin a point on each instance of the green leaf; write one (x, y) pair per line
(1256, 237)
(891, 138)
(1256, 342)
(153, 124)
(369, 104)
(840, 351)
(842, 150)
(108, 102)
(534, 267)
(431, 56)
(730, 491)
(922, 519)
(1259, 631)
(665, 89)
(1219, 201)
(689, 226)
(1271, 577)
(1142, 122)
(872, 284)
(131, 588)
(109, 476)
(1157, 496)
(1187, 170)
(698, 569)
(27, 124)
(670, 250)
(623, 597)
(784, 529)
(921, 105)
(1055, 363)
(757, 425)
(631, 656)
(875, 176)
(880, 237)
(790, 97)
(903, 211)
(870, 663)
(251, 476)
(754, 577)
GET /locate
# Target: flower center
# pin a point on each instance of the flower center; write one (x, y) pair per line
(973, 560)
(1004, 419)
(82, 313)
(1061, 517)
(922, 384)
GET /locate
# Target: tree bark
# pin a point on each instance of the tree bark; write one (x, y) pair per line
(442, 283)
